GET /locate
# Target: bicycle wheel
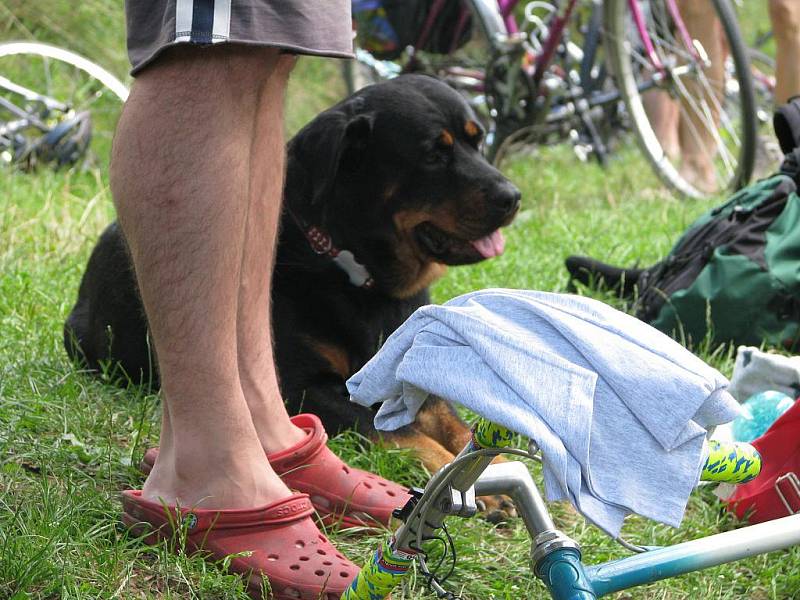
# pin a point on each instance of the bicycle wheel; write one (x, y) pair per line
(52, 103)
(712, 149)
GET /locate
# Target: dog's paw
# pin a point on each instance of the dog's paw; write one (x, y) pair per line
(496, 509)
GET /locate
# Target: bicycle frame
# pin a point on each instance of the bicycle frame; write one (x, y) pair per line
(556, 557)
(695, 555)
(500, 13)
(542, 108)
(26, 118)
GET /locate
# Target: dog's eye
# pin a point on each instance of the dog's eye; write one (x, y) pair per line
(476, 141)
(439, 154)
(435, 157)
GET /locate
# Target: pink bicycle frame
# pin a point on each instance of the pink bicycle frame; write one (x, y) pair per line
(556, 26)
(506, 9)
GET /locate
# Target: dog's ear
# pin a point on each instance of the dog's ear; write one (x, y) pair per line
(331, 147)
(354, 143)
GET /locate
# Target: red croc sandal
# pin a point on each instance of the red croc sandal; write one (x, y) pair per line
(279, 541)
(341, 494)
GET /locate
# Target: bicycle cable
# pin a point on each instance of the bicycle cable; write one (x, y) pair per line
(432, 580)
(448, 473)
(629, 546)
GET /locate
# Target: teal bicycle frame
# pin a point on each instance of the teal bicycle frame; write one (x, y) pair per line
(568, 579)
(556, 557)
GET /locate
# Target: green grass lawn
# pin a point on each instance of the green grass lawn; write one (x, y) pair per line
(68, 441)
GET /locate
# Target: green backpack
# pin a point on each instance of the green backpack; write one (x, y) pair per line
(736, 270)
(734, 275)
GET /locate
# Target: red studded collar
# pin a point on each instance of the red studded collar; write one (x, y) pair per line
(322, 243)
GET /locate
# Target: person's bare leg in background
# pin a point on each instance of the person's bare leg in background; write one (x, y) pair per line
(680, 125)
(704, 25)
(699, 106)
(186, 146)
(664, 114)
(785, 17)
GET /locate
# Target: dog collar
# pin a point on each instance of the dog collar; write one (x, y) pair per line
(322, 243)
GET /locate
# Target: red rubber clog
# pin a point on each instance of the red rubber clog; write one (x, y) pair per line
(279, 541)
(341, 494)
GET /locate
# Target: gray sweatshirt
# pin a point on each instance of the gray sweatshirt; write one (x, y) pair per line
(618, 409)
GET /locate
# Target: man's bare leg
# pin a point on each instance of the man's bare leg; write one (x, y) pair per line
(180, 178)
(254, 334)
(785, 17)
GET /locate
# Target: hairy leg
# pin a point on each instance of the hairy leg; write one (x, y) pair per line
(254, 335)
(180, 177)
(785, 17)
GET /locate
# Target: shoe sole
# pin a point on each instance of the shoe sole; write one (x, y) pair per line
(153, 538)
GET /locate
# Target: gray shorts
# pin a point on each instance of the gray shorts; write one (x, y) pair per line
(319, 27)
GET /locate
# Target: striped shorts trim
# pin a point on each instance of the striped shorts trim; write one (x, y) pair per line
(318, 27)
(202, 21)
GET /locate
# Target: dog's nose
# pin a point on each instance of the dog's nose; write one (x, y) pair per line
(506, 197)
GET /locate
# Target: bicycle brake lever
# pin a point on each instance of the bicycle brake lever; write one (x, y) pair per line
(403, 513)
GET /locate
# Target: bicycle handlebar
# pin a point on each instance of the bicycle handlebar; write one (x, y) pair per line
(731, 462)
(734, 462)
(389, 563)
(383, 572)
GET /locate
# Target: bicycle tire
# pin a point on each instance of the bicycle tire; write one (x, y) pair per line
(67, 77)
(76, 60)
(623, 56)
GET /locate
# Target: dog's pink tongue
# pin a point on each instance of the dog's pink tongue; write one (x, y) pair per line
(492, 245)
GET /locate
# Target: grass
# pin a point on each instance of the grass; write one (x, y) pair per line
(68, 442)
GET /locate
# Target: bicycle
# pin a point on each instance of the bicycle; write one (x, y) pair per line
(557, 558)
(53, 105)
(579, 73)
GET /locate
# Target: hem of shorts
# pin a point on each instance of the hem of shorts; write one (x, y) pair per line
(136, 69)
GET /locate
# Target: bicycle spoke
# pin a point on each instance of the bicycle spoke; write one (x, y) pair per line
(702, 110)
(703, 79)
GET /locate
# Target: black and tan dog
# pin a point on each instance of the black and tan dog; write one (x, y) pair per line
(383, 191)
